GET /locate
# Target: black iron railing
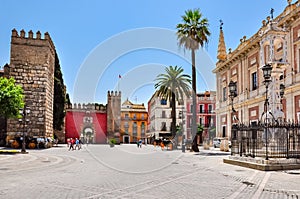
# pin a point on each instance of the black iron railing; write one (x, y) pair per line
(275, 140)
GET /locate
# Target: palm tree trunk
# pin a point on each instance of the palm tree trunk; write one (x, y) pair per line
(194, 107)
(173, 114)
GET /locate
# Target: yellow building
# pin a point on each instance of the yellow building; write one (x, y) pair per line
(133, 122)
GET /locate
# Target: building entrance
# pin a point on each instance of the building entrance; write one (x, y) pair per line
(126, 139)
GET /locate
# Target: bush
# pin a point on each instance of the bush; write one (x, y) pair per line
(112, 141)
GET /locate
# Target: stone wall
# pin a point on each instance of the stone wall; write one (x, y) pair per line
(113, 113)
(32, 66)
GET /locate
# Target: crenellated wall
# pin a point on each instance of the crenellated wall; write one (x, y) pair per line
(32, 60)
(113, 113)
(89, 106)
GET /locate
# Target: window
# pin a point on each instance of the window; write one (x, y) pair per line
(224, 94)
(143, 129)
(134, 116)
(180, 102)
(180, 115)
(126, 116)
(254, 81)
(201, 108)
(163, 114)
(299, 59)
(143, 116)
(210, 108)
(126, 124)
(163, 126)
(200, 120)
(163, 102)
(134, 128)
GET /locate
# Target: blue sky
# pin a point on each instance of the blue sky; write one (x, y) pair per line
(98, 40)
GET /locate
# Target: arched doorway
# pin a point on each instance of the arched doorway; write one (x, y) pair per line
(88, 135)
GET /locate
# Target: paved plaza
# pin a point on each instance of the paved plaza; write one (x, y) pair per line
(125, 171)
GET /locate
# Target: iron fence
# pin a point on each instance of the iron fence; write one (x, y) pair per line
(273, 140)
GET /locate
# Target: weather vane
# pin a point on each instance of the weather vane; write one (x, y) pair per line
(271, 12)
(221, 23)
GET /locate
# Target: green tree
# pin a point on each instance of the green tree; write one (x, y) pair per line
(200, 130)
(59, 97)
(11, 98)
(172, 86)
(192, 34)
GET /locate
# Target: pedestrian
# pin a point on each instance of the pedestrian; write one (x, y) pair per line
(162, 145)
(71, 144)
(76, 143)
(80, 143)
(140, 143)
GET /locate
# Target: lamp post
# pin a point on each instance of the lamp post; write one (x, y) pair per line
(232, 91)
(232, 95)
(24, 112)
(267, 69)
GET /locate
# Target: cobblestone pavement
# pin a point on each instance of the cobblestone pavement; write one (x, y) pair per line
(125, 171)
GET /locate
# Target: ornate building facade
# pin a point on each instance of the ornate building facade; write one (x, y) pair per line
(159, 114)
(276, 44)
(206, 115)
(133, 122)
(87, 122)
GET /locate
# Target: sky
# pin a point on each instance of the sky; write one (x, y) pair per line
(119, 45)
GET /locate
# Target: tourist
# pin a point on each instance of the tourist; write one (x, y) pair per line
(71, 144)
(162, 145)
(77, 144)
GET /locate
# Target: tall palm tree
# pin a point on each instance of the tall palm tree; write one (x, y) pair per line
(192, 34)
(173, 85)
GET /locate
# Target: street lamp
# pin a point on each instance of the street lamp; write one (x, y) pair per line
(232, 91)
(24, 112)
(281, 88)
(267, 69)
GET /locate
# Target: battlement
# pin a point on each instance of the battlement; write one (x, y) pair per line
(113, 93)
(86, 107)
(22, 38)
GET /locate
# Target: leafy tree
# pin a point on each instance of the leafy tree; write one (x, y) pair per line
(200, 129)
(172, 86)
(192, 34)
(11, 98)
(59, 97)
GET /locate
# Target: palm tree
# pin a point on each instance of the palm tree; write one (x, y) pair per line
(192, 34)
(172, 86)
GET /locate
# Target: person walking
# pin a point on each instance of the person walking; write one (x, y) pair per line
(71, 144)
(162, 145)
(77, 144)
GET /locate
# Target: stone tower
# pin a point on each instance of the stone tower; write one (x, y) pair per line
(32, 66)
(113, 113)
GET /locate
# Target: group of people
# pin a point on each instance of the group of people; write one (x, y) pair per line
(74, 144)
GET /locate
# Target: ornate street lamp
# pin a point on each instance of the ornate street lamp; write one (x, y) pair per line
(281, 88)
(232, 91)
(24, 112)
(267, 70)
